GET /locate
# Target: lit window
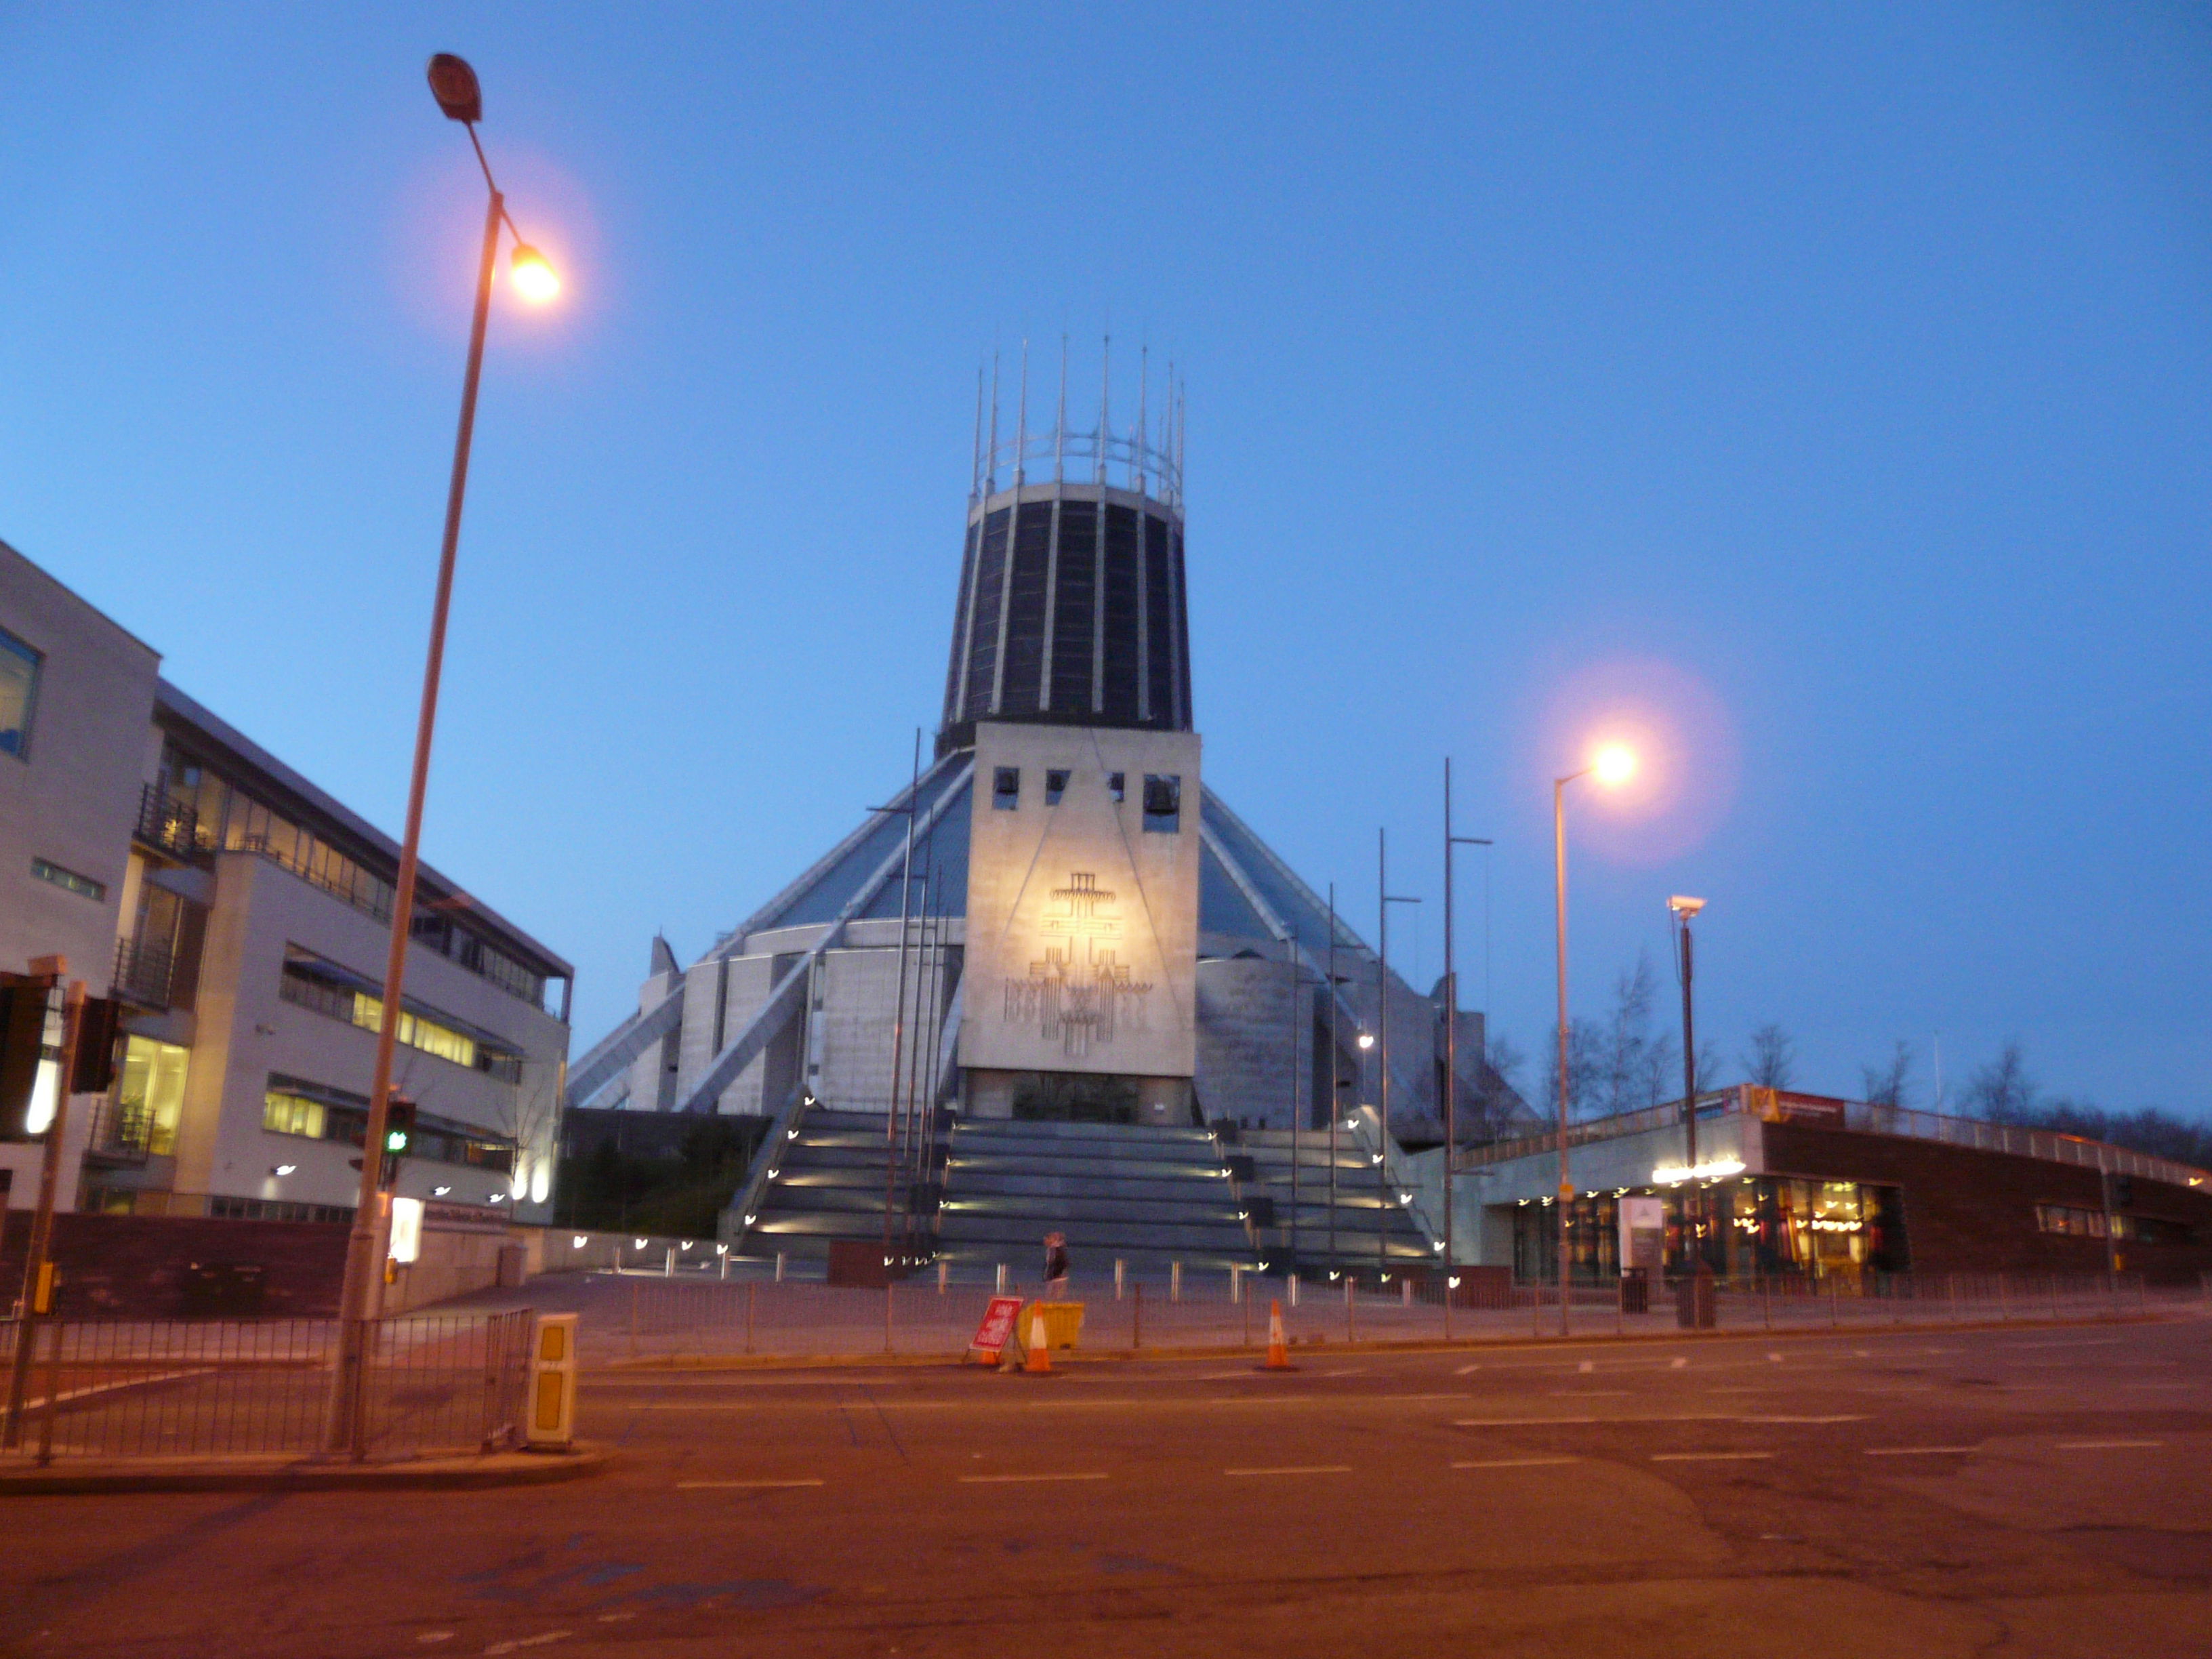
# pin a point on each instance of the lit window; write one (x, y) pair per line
(1056, 786)
(1163, 803)
(286, 1114)
(151, 1096)
(1006, 789)
(19, 694)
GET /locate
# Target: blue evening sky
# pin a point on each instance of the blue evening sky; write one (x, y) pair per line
(1820, 392)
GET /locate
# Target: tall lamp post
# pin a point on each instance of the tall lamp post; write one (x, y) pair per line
(1613, 765)
(453, 84)
(1451, 1041)
(1682, 910)
(1384, 899)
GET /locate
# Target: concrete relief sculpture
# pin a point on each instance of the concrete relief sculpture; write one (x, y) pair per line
(1080, 992)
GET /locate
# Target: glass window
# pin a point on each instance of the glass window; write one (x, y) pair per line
(1056, 786)
(1006, 789)
(150, 1097)
(19, 694)
(287, 1114)
(1163, 803)
(84, 886)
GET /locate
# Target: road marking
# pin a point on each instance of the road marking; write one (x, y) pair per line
(1024, 1480)
(1589, 1394)
(529, 1641)
(435, 1636)
(1310, 1469)
(2106, 1445)
(1516, 1463)
(1587, 1365)
(1774, 1358)
(1677, 1362)
(2082, 1342)
(1838, 1417)
(1708, 1457)
(708, 1486)
(1921, 1451)
(1467, 1371)
(1549, 1423)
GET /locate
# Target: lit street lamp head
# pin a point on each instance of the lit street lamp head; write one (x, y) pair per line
(534, 279)
(1614, 765)
(1367, 1039)
(453, 84)
(1684, 907)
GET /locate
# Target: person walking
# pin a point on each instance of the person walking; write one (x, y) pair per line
(1056, 1266)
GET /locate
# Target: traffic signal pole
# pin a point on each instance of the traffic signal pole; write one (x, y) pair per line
(36, 1285)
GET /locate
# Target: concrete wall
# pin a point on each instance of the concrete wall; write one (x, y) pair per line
(1251, 1043)
(71, 800)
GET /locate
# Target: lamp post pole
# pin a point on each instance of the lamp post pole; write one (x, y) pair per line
(1559, 1089)
(1384, 899)
(1451, 1042)
(454, 85)
(1682, 910)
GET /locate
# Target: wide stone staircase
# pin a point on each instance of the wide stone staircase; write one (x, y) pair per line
(828, 1184)
(1359, 1225)
(1144, 1195)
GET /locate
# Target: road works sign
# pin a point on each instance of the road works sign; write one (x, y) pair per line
(996, 1330)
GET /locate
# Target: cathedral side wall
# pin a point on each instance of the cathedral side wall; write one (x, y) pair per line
(1249, 1046)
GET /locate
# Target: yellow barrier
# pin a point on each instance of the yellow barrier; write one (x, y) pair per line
(1063, 1323)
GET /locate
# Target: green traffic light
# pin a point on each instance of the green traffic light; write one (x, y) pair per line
(395, 1140)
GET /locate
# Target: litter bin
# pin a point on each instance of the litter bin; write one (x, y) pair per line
(1636, 1291)
(1693, 1301)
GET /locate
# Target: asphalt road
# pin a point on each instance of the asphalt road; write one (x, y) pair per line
(2003, 1493)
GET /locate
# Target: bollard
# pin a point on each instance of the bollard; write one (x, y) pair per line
(1174, 1281)
(779, 1266)
(668, 1267)
(944, 1274)
(1236, 1284)
(1118, 1265)
(1404, 1292)
(1348, 1282)
(726, 1266)
(1294, 1290)
(1000, 1289)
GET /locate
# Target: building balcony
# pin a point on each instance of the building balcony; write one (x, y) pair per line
(144, 973)
(167, 828)
(121, 1135)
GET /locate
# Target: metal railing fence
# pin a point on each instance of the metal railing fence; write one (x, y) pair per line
(648, 1318)
(229, 1388)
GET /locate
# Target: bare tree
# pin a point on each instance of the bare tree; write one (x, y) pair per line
(2002, 1090)
(1886, 1085)
(1771, 1060)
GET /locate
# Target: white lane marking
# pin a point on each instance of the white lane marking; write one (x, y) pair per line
(1309, 1468)
(435, 1636)
(1516, 1463)
(1836, 1417)
(1774, 1359)
(1709, 1457)
(1549, 1422)
(763, 1485)
(1920, 1451)
(1467, 1371)
(615, 1618)
(2082, 1342)
(1677, 1363)
(1024, 1479)
(1589, 1394)
(2106, 1445)
(538, 1641)
(1587, 1365)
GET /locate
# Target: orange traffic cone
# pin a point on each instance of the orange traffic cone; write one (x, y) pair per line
(1039, 1362)
(1279, 1350)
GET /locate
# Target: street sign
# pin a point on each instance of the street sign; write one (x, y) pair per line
(996, 1330)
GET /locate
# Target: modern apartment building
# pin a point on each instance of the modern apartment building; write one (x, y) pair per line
(244, 916)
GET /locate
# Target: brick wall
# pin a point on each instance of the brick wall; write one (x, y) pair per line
(1971, 1211)
(138, 1266)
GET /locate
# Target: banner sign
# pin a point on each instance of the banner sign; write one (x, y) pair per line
(997, 1328)
(1809, 1108)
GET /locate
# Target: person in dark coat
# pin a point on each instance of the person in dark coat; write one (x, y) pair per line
(1055, 1265)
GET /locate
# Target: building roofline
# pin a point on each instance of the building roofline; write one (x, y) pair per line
(175, 709)
(40, 571)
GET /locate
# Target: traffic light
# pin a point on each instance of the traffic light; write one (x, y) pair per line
(23, 1002)
(99, 1027)
(399, 1135)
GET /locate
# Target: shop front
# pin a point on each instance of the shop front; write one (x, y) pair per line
(1746, 1227)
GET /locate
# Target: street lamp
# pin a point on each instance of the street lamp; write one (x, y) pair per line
(1613, 765)
(1451, 1041)
(1681, 909)
(453, 84)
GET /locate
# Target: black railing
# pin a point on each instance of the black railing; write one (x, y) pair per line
(144, 970)
(166, 825)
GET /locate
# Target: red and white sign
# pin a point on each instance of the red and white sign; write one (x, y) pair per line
(997, 1328)
(1809, 1108)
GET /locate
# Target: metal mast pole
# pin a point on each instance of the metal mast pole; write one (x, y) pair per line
(1290, 959)
(1690, 1095)
(1560, 920)
(1335, 1105)
(899, 1016)
(1382, 1048)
